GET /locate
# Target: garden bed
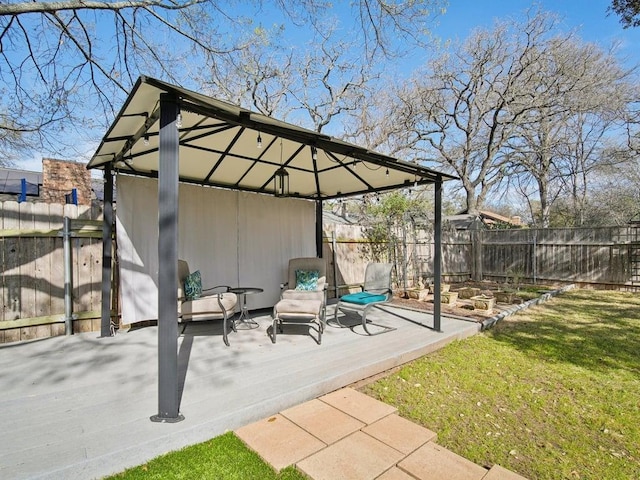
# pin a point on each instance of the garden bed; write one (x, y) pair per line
(467, 307)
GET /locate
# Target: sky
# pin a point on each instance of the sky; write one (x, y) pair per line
(588, 17)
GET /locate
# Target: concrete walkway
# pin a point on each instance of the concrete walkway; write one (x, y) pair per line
(346, 434)
(78, 407)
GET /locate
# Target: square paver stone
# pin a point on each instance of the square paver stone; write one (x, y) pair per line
(358, 405)
(322, 420)
(395, 473)
(433, 462)
(279, 441)
(500, 473)
(356, 457)
(400, 433)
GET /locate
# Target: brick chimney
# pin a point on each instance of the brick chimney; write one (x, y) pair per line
(60, 177)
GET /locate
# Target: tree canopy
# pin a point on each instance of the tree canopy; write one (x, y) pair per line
(71, 63)
(628, 11)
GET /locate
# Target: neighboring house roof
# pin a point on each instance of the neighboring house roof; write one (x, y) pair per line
(97, 186)
(466, 221)
(11, 181)
(492, 217)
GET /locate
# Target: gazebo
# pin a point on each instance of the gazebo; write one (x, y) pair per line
(172, 136)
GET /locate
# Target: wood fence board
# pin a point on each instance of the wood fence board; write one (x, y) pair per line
(57, 276)
(56, 216)
(43, 247)
(43, 259)
(27, 263)
(11, 279)
(83, 260)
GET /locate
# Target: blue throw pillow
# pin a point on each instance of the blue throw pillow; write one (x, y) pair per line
(307, 280)
(193, 285)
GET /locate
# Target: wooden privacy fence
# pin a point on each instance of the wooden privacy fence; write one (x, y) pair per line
(347, 252)
(605, 257)
(33, 285)
(33, 279)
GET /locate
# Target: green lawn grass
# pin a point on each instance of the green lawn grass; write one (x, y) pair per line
(223, 458)
(550, 393)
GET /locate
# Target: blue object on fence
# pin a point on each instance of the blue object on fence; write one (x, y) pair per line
(72, 197)
(22, 197)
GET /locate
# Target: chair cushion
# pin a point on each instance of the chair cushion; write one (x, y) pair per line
(298, 307)
(193, 285)
(307, 280)
(303, 295)
(210, 305)
(363, 298)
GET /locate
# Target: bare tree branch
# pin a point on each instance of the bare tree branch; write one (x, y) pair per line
(47, 7)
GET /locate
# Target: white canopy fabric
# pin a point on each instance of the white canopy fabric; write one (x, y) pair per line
(226, 146)
(232, 238)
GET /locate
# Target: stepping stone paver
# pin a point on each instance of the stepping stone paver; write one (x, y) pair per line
(400, 433)
(356, 457)
(395, 474)
(499, 473)
(358, 405)
(349, 435)
(433, 462)
(323, 421)
(279, 441)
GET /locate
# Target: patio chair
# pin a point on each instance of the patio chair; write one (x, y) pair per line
(375, 291)
(196, 303)
(303, 298)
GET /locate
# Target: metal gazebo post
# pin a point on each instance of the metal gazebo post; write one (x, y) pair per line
(319, 233)
(168, 392)
(107, 248)
(437, 257)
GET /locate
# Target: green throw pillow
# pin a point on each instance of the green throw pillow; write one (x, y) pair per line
(307, 280)
(193, 285)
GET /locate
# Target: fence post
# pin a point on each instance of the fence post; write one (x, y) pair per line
(476, 255)
(334, 246)
(405, 260)
(68, 277)
(534, 259)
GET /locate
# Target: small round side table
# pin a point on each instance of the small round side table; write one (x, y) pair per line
(244, 319)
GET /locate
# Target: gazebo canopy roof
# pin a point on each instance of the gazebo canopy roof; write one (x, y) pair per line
(226, 146)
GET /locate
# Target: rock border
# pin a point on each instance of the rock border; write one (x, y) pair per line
(489, 322)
